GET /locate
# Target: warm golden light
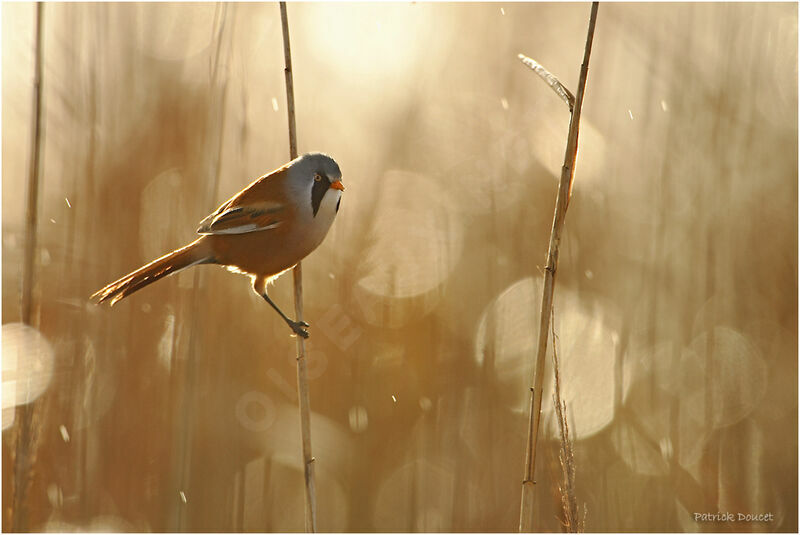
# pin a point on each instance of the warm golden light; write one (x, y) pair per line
(675, 302)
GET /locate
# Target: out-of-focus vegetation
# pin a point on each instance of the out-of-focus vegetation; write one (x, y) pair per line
(676, 298)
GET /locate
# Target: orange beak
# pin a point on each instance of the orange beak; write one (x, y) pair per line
(337, 185)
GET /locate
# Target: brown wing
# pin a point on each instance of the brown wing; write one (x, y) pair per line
(262, 205)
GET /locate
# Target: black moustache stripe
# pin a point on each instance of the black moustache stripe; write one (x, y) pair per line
(317, 193)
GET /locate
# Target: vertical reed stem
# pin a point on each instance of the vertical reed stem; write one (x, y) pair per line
(25, 434)
(302, 374)
(562, 200)
(32, 212)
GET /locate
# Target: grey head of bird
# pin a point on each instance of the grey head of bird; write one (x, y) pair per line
(316, 163)
(318, 175)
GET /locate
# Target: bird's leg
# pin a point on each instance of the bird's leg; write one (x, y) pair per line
(296, 326)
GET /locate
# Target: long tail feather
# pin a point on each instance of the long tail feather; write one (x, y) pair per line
(193, 254)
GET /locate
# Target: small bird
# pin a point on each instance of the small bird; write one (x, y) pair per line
(262, 231)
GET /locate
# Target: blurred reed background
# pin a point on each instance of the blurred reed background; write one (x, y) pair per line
(676, 299)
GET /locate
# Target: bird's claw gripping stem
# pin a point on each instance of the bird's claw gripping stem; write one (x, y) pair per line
(297, 327)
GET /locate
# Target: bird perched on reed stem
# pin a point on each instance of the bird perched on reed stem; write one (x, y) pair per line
(262, 231)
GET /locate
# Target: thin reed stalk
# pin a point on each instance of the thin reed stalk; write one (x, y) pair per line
(573, 521)
(302, 373)
(26, 434)
(562, 201)
(34, 174)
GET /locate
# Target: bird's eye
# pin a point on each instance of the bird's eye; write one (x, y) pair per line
(317, 177)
